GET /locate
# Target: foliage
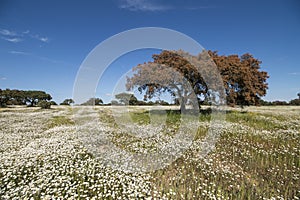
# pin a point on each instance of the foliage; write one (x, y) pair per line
(162, 102)
(67, 102)
(295, 102)
(126, 98)
(114, 102)
(59, 121)
(21, 97)
(44, 104)
(244, 83)
(93, 101)
(265, 103)
(279, 103)
(53, 103)
(172, 71)
(4, 97)
(33, 96)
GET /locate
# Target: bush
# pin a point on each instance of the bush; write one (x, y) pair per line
(53, 103)
(44, 104)
(3, 105)
(295, 102)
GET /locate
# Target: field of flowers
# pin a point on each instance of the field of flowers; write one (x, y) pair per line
(42, 156)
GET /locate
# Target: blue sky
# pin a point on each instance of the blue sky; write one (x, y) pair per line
(43, 43)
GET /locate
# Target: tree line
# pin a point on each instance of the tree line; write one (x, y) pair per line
(243, 82)
(42, 99)
(293, 102)
(24, 97)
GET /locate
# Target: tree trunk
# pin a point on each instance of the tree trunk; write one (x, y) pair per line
(31, 103)
(182, 104)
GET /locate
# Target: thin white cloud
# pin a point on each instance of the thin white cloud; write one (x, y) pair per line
(26, 32)
(3, 78)
(108, 94)
(142, 5)
(198, 7)
(15, 37)
(14, 40)
(50, 60)
(6, 32)
(19, 52)
(22, 53)
(42, 39)
(294, 73)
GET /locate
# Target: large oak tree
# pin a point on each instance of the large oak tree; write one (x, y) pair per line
(171, 72)
(188, 77)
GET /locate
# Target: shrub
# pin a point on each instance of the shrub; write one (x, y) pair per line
(295, 102)
(44, 104)
(53, 103)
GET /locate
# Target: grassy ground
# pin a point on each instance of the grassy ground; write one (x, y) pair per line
(256, 155)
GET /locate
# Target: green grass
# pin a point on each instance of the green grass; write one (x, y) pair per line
(59, 121)
(140, 117)
(243, 165)
(254, 120)
(256, 156)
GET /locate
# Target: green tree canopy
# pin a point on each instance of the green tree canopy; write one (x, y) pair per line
(34, 96)
(126, 98)
(5, 96)
(92, 102)
(67, 102)
(21, 97)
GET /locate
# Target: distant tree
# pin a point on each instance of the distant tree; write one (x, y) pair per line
(114, 102)
(126, 98)
(279, 103)
(53, 103)
(17, 97)
(21, 97)
(67, 102)
(92, 102)
(12, 97)
(33, 97)
(141, 103)
(4, 97)
(98, 101)
(265, 103)
(295, 102)
(161, 102)
(150, 103)
(44, 104)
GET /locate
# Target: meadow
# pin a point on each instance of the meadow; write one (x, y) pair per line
(42, 156)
